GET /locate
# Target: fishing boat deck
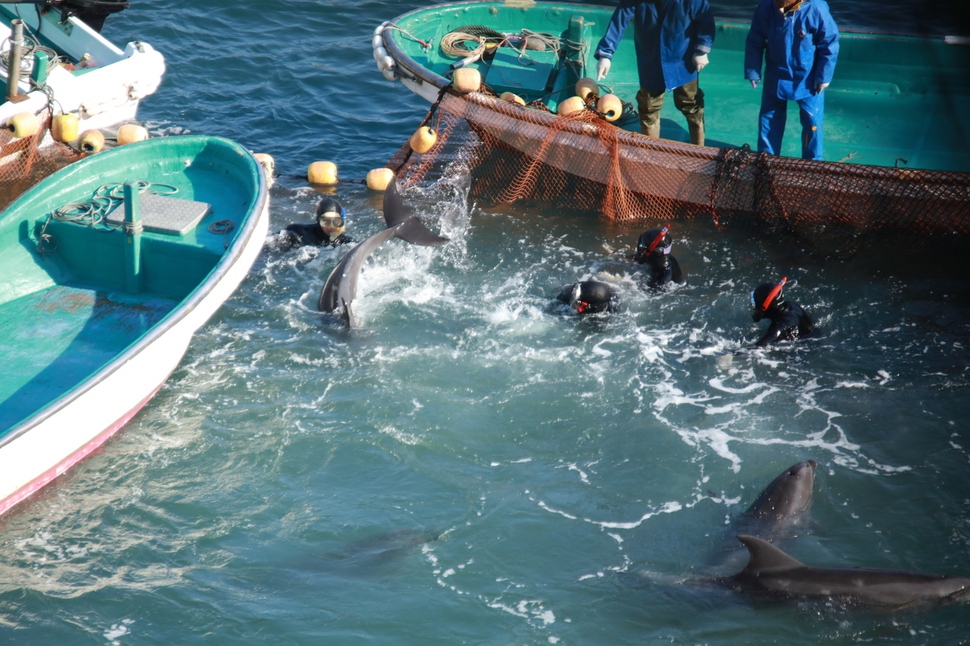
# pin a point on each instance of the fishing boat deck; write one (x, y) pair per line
(57, 337)
(894, 101)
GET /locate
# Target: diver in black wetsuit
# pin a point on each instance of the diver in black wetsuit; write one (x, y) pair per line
(789, 321)
(327, 231)
(589, 297)
(654, 247)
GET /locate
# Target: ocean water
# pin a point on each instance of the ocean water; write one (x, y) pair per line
(474, 465)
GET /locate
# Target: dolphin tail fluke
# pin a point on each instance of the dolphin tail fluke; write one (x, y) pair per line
(413, 230)
(397, 213)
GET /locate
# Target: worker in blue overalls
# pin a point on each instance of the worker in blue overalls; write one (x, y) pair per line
(798, 43)
(673, 39)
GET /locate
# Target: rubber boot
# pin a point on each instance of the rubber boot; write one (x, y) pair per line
(696, 133)
(651, 128)
(695, 126)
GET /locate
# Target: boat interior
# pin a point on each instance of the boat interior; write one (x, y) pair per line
(895, 101)
(81, 282)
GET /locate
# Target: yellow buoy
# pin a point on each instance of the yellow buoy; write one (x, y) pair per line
(322, 172)
(423, 139)
(466, 79)
(91, 141)
(23, 124)
(64, 128)
(571, 105)
(512, 97)
(379, 179)
(585, 87)
(610, 107)
(130, 133)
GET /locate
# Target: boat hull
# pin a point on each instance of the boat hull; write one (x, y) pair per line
(47, 444)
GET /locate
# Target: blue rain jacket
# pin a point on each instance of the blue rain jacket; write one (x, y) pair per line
(668, 34)
(798, 50)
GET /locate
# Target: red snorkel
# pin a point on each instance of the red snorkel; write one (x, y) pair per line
(656, 241)
(772, 295)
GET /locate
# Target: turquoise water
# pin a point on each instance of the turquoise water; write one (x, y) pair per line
(474, 466)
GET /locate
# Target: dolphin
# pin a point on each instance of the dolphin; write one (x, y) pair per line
(341, 287)
(773, 572)
(783, 501)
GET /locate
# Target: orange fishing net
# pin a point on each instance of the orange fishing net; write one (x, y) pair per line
(26, 161)
(583, 161)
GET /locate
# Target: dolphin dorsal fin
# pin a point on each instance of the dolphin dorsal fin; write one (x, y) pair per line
(765, 557)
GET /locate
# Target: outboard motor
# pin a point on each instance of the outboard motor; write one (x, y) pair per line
(92, 12)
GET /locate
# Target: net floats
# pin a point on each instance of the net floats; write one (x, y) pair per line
(466, 79)
(322, 172)
(570, 106)
(130, 133)
(512, 97)
(91, 141)
(585, 87)
(423, 140)
(379, 179)
(610, 106)
(64, 128)
(23, 124)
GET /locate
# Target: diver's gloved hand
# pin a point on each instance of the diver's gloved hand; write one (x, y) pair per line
(700, 62)
(603, 68)
(819, 87)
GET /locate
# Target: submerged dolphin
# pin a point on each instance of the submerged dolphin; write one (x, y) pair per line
(341, 287)
(773, 572)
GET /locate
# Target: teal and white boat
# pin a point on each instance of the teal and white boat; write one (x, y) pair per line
(108, 267)
(897, 145)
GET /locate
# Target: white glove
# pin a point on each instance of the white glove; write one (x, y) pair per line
(819, 87)
(700, 62)
(603, 68)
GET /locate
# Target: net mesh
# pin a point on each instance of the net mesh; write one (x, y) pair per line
(583, 161)
(27, 160)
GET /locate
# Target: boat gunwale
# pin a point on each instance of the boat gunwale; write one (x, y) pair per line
(185, 307)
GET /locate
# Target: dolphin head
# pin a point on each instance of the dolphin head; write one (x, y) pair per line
(788, 495)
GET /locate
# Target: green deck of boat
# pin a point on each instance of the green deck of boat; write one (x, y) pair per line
(893, 98)
(65, 314)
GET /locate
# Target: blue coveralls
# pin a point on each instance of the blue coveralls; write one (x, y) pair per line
(799, 50)
(668, 34)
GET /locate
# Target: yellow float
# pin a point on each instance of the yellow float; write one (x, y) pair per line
(64, 128)
(571, 105)
(511, 97)
(23, 124)
(466, 79)
(585, 87)
(423, 139)
(130, 133)
(322, 172)
(91, 141)
(379, 179)
(610, 107)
